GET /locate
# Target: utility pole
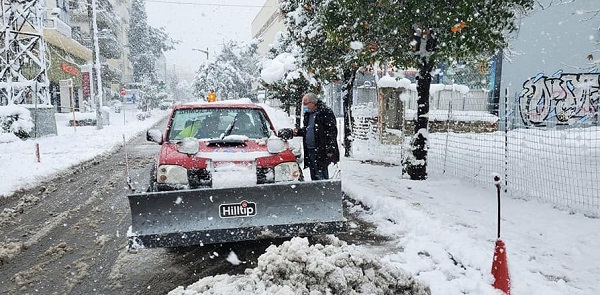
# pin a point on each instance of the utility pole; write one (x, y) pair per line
(96, 68)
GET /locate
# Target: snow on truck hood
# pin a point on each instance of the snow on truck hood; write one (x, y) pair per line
(233, 154)
(232, 159)
(231, 149)
(219, 151)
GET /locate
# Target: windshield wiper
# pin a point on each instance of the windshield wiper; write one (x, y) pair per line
(229, 128)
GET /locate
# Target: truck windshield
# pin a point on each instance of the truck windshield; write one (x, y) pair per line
(216, 123)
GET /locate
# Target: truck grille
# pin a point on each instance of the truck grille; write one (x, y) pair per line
(199, 178)
(265, 175)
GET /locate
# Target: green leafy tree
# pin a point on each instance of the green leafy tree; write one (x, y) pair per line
(146, 44)
(208, 79)
(309, 25)
(421, 34)
(180, 89)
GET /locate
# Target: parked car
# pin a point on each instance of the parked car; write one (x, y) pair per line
(166, 103)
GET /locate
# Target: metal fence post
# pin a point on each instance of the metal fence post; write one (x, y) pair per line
(506, 140)
(447, 134)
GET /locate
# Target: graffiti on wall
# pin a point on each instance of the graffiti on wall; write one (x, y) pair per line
(561, 99)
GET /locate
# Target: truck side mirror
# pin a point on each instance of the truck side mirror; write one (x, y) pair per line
(154, 135)
(285, 133)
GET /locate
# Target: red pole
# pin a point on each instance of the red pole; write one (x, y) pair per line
(37, 152)
(500, 263)
(497, 181)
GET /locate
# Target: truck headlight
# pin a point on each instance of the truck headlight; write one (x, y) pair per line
(287, 171)
(171, 174)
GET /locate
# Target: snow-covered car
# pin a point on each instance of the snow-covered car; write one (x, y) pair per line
(117, 105)
(166, 103)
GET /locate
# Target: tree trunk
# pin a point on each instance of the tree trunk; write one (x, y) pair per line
(347, 87)
(417, 168)
(496, 78)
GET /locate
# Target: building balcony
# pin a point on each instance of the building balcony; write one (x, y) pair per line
(111, 73)
(110, 47)
(108, 44)
(105, 16)
(57, 24)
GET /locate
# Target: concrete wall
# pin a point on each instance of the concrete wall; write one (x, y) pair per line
(558, 37)
(43, 120)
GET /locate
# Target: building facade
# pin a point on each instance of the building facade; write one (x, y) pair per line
(559, 37)
(112, 19)
(67, 33)
(267, 23)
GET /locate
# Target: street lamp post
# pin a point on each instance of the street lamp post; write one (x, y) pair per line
(203, 51)
(96, 66)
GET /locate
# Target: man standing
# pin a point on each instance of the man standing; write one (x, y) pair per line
(319, 137)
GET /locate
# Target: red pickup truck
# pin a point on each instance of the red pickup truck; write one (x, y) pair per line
(224, 174)
(203, 139)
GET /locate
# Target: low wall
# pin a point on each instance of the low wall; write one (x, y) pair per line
(455, 126)
(43, 120)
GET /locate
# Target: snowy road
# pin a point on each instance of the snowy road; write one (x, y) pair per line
(68, 235)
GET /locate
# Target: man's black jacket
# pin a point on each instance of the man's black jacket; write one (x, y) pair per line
(325, 136)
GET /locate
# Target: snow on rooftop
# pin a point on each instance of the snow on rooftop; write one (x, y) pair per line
(393, 82)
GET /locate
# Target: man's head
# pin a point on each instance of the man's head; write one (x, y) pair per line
(310, 100)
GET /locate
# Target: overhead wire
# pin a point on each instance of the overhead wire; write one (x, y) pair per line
(205, 4)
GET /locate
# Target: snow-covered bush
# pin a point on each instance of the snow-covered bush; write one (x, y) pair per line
(16, 120)
(143, 115)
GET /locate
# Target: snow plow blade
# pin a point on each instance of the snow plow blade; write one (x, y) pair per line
(211, 216)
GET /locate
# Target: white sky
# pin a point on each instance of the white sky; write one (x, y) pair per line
(432, 224)
(201, 24)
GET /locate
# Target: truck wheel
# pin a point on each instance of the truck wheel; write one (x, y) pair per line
(153, 186)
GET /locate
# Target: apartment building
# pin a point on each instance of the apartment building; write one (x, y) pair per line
(67, 32)
(267, 23)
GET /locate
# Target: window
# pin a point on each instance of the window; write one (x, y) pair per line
(218, 123)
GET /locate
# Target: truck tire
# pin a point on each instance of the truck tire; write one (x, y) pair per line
(152, 187)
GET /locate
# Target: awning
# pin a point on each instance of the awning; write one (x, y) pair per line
(67, 44)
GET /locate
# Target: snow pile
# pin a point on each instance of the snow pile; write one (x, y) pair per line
(296, 267)
(234, 175)
(434, 88)
(454, 115)
(393, 82)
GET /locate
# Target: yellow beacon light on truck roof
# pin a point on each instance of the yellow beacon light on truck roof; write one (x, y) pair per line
(212, 97)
